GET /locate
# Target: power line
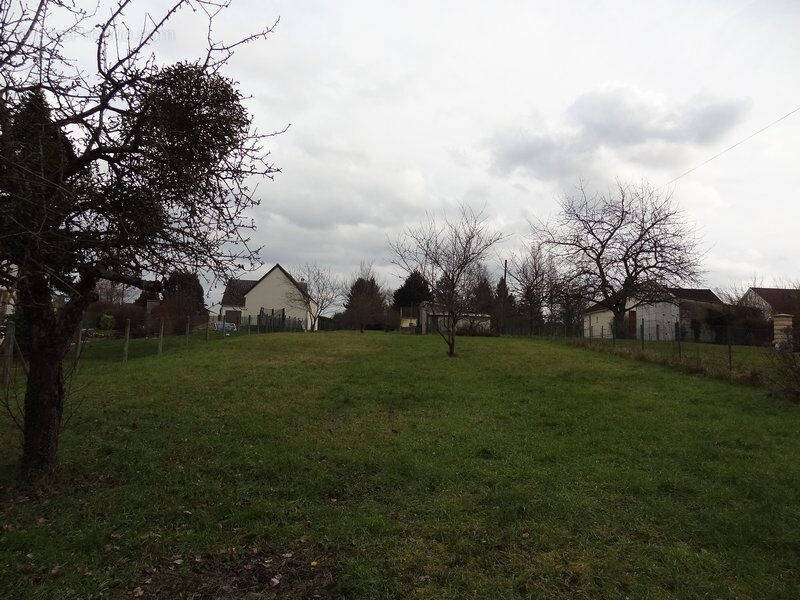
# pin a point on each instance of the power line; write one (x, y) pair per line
(739, 143)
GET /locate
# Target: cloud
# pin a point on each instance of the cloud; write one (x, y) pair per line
(640, 127)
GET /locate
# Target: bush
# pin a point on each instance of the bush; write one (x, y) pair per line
(784, 379)
(105, 322)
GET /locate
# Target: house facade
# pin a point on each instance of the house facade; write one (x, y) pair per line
(276, 294)
(684, 310)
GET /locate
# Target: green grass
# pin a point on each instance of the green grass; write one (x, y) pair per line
(520, 468)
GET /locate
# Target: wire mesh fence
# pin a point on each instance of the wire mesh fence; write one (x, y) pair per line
(133, 338)
(745, 353)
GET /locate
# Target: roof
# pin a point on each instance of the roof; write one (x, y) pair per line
(691, 294)
(780, 300)
(597, 306)
(237, 289)
(697, 295)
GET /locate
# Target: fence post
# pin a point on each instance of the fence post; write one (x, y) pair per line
(78, 335)
(127, 340)
(658, 332)
(208, 326)
(678, 337)
(161, 337)
(248, 324)
(188, 319)
(642, 334)
(9, 354)
(730, 354)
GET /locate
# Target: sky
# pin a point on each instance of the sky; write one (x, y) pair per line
(398, 109)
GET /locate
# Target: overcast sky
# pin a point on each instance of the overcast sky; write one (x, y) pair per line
(398, 108)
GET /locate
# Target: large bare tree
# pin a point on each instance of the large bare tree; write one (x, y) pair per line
(626, 247)
(319, 289)
(120, 170)
(446, 253)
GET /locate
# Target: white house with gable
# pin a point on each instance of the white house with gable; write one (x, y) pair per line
(276, 294)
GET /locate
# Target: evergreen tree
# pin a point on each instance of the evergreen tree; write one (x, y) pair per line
(365, 305)
(414, 291)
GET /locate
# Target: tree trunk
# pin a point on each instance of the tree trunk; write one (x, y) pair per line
(44, 406)
(620, 330)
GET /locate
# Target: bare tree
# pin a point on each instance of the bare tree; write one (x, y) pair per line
(626, 247)
(121, 171)
(111, 292)
(532, 275)
(318, 290)
(445, 253)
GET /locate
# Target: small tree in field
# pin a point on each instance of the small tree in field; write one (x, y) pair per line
(320, 289)
(123, 172)
(626, 247)
(445, 253)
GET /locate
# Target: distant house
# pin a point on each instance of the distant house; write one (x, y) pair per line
(276, 293)
(779, 305)
(409, 317)
(773, 301)
(433, 318)
(688, 308)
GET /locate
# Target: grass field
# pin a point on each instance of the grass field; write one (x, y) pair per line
(374, 466)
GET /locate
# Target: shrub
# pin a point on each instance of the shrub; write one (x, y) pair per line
(106, 322)
(784, 379)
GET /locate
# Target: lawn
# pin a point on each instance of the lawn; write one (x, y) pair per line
(374, 466)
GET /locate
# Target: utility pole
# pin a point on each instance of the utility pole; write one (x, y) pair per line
(503, 299)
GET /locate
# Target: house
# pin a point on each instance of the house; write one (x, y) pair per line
(276, 293)
(409, 318)
(779, 305)
(683, 308)
(433, 318)
(773, 301)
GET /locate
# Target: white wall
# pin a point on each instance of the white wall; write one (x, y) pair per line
(659, 320)
(598, 324)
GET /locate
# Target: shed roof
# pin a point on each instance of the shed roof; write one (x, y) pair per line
(780, 300)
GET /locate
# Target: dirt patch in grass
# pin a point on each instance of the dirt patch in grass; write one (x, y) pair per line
(235, 575)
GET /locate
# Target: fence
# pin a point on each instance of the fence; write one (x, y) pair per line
(741, 353)
(147, 337)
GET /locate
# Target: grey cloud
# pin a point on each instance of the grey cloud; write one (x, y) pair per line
(542, 155)
(639, 127)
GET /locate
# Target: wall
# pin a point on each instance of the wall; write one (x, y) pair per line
(659, 320)
(598, 324)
